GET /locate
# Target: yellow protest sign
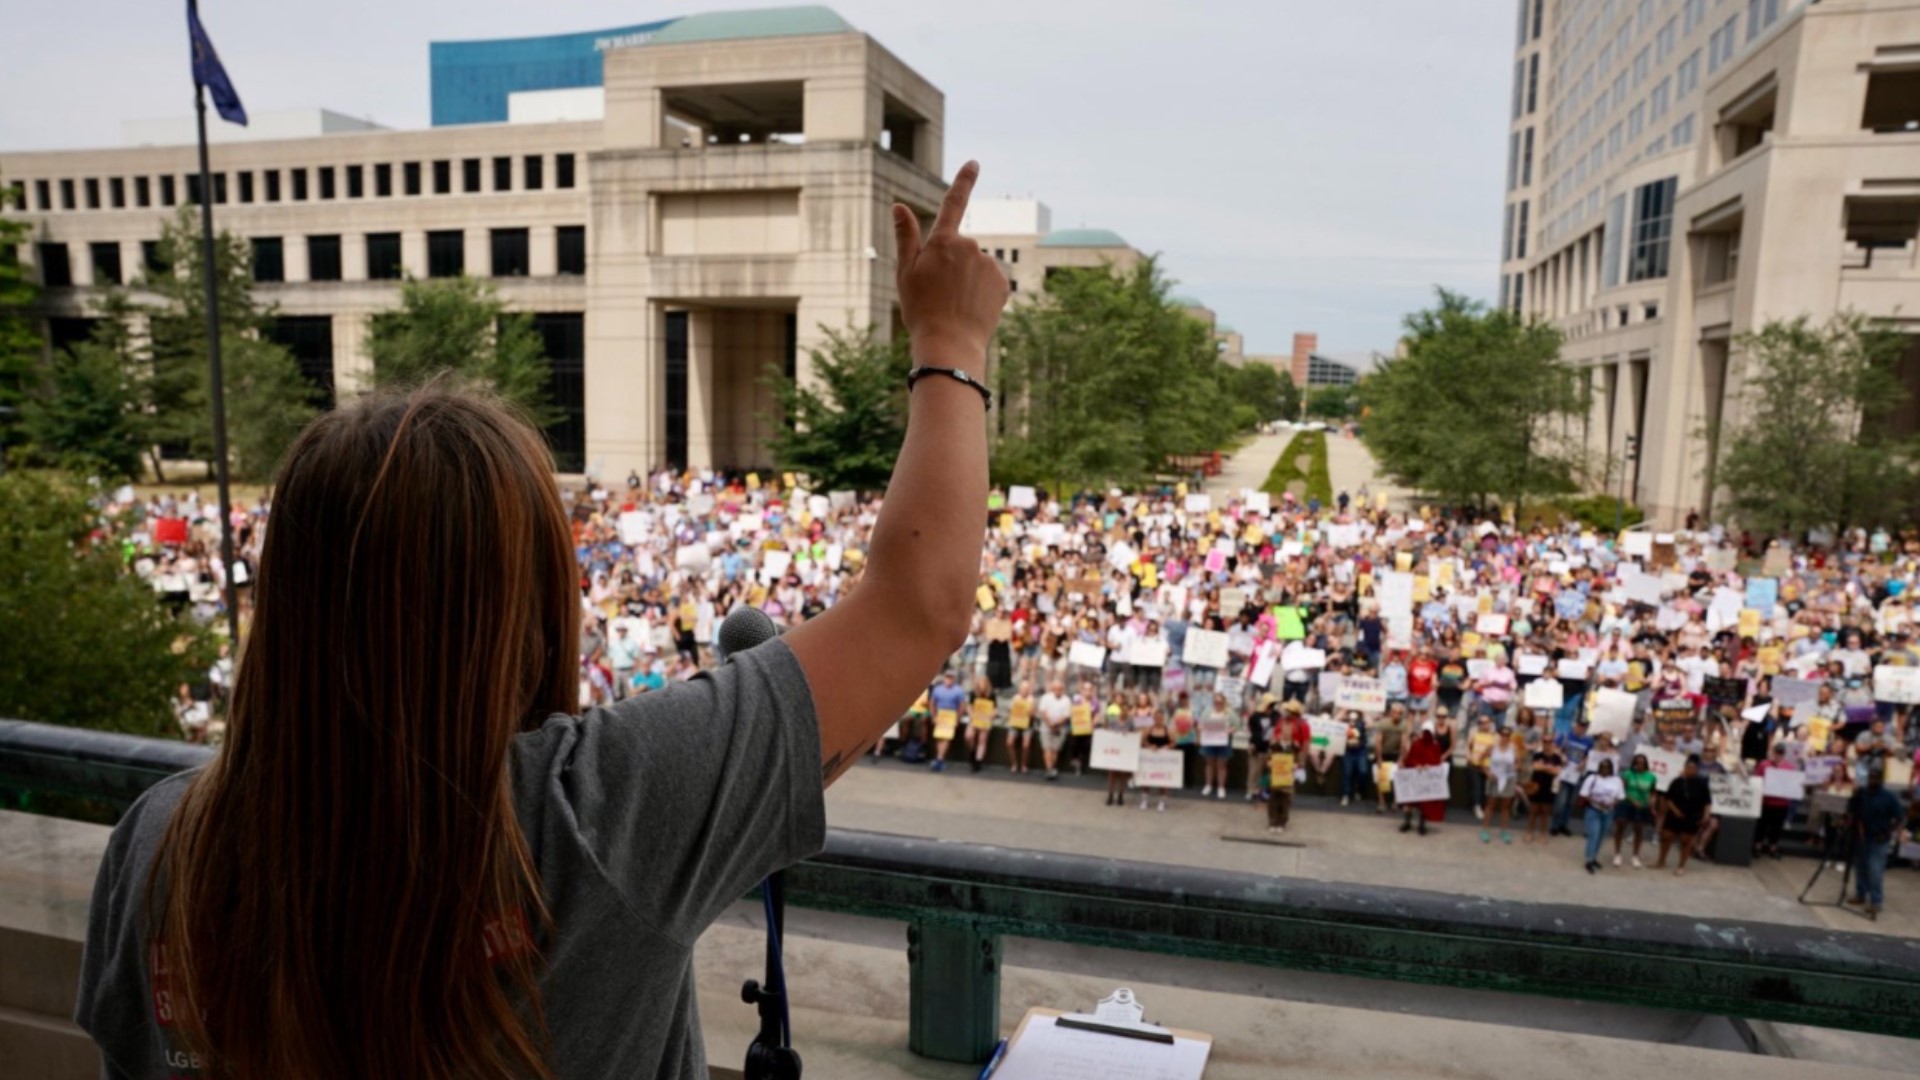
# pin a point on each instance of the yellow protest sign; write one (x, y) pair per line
(1180, 490)
(1749, 623)
(982, 716)
(1819, 728)
(787, 479)
(1006, 524)
(1469, 642)
(1150, 576)
(1443, 574)
(1082, 722)
(944, 722)
(1771, 658)
(985, 596)
(1485, 606)
(1366, 584)
(1422, 589)
(1280, 771)
(753, 481)
(1380, 500)
(1020, 714)
(1403, 561)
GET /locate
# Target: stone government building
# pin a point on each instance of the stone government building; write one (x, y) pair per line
(681, 206)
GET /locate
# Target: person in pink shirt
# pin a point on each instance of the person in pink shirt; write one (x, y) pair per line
(1495, 688)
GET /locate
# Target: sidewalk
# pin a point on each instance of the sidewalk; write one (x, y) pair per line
(1329, 843)
(1248, 468)
(1350, 466)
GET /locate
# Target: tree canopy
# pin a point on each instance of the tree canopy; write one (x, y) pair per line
(1463, 415)
(1102, 380)
(1816, 445)
(843, 429)
(460, 325)
(88, 644)
(19, 341)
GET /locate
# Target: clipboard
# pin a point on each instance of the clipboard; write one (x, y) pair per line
(1046, 1038)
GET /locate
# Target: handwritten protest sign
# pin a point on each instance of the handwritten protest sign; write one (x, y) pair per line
(1148, 652)
(1205, 648)
(1300, 658)
(1735, 796)
(1160, 768)
(1214, 732)
(1362, 694)
(1530, 664)
(1793, 693)
(1020, 497)
(1763, 594)
(1115, 751)
(1789, 784)
(1665, 765)
(1612, 712)
(1491, 625)
(1676, 722)
(1544, 694)
(1575, 670)
(1328, 734)
(1081, 719)
(1725, 691)
(1900, 685)
(1232, 688)
(1426, 784)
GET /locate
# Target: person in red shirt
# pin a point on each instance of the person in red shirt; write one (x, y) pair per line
(1420, 675)
(1423, 751)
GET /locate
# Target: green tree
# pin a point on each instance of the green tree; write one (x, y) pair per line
(1103, 381)
(19, 341)
(1816, 444)
(85, 409)
(843, 429)
(1464, 414)
(461, 325)
(1333, 402)
(88, 645)
(268, 401)
(1266, 389)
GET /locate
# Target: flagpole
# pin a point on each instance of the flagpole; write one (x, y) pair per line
(209, 268)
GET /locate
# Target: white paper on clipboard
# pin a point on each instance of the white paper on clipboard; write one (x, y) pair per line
(1045, 1051)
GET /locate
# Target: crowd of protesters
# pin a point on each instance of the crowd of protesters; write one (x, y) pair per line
(1307, 646)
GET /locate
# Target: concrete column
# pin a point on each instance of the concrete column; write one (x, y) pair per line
(479, 253)
(843, 108)
(542, 255)
(293, 256)
(352, 367)
(636, 117)
(413, 253)
(353, 259)
(80, 263)
(702, 354)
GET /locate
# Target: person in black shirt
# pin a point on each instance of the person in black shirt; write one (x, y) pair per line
(1876, 815)
(1682, 811)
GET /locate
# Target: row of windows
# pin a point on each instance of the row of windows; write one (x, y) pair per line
(322, 182)
(446, 257)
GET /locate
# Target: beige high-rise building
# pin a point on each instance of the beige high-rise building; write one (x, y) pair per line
(680, 219)
(1683, 171)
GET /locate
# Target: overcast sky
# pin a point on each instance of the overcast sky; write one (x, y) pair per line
(1299, 164)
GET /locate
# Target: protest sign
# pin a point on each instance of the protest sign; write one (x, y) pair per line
(1724, 691)
(1544, 694)
(1757, 713)
(1328, 734)
(1264, 659)
(1762, 594)
(1115, 751)
(1778, 560)
(1643, 588)
(1899, 685)
(1637, 545)
(1673, 722)
(1362, 694)
(1749, 624)
(1395, 591)
(1160, 769)
(1081, 719)
(944, 723)
(1899, 775)
(693, 557)
(1300, 658)
(1612, 712)
(1020, 497)
(633, 528)
(1205, 648)
(1087, 654)
(1574, 670)
(1665, 765)
(1232, 688)
(1020, 714)
(1793, 693)
(1789, 784)
(1214, 732)
(981, 714)
(1199, 503)
(1735, 796)
(1530, 664)
(1232, 601)
(1148, 652)
(1477, 668)
(1491, 625)
(1819, 770)
(1281, 771)
(1426, 784)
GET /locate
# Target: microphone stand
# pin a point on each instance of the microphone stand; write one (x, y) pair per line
(771, 1055)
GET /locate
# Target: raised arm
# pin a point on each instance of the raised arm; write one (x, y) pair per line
(871, 653)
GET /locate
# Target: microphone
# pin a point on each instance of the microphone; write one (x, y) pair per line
(742, 629)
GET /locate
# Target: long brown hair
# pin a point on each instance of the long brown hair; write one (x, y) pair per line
(345, 890)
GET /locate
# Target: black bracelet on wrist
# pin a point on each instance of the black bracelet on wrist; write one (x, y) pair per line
(955, 374)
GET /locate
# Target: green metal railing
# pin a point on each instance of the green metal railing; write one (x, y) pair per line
(960, 900)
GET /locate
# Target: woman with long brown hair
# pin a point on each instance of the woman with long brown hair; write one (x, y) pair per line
(409, 859)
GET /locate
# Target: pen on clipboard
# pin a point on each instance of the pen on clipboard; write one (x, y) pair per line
(1144, 1034)
(993, 1062)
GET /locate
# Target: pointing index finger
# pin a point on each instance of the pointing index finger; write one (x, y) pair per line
(954, 206)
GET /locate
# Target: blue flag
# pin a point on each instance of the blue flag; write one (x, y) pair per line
(208, 72)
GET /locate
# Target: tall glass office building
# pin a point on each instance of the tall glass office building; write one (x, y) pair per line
(471, 79)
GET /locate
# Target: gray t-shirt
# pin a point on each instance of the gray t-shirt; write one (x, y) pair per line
(645, 819)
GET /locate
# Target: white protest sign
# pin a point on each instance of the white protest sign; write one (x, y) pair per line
(1643, 588)
(633, 528)
(1478, 668)
(1343, 536)
(1491, 625)
(1575, 670)
(1263, 662)
(1793, 693)
(1328, 734)
(1021, 497)
(1612, 712)
(1232, 688)
(1665, 765)
(1638, 545)
(1160, 768)
(1087, 654)
(1214, 732)
(1259, 502)
(1298, 657)
(1544, 694)
(1115, 751)
(1148, 652)
(775, 563)
(694, 557)
(1205, 648)
(1789, 784)
(1757, 713)
(1530, 664)
(1232, 601)
(1900, 685)
(1395, 590)
(1735, 796)
(1198, 503)
(1426, 784)
(1362, 694)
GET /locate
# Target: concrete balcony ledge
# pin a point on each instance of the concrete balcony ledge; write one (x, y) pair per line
(851, 997)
